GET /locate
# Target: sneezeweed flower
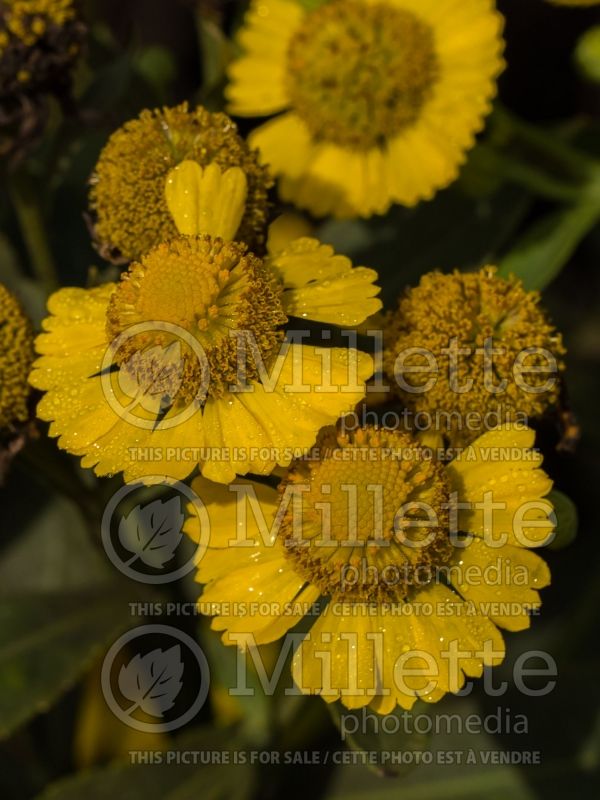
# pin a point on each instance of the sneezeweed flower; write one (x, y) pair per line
(466, 351)
(16, 357)
(184, 360)
(127, 196)
(381, 100)
(39, 42)
(412, 558)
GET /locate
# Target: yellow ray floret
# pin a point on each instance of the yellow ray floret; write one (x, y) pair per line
(377, 102)
(207, 200)
(380, 556)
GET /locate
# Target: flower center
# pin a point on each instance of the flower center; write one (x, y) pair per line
(481, 345)
(128, 184)
(373, 521)
(194, 295)
(360, 73)
(16, 356)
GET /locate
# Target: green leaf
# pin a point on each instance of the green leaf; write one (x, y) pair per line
(157, 66)
(47, 640)
(216, 51)
(549, 244)
(385, 736)
(165, 777)
(566, 520)
(495, 783)
(52, 552)
(255, 707)
(29, 292)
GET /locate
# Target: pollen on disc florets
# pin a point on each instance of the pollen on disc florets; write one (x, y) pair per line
(476, 328)
(359, 73)
(16, 357)
(127, 196)
(360, 534)
(209, 289)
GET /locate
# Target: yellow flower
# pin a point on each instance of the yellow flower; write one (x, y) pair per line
(467, 351)
(420, 564)
(381, 98)
(127, 187)
(183, 362)
(16, 356)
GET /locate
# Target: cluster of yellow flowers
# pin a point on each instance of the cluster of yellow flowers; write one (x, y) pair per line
(194, 364)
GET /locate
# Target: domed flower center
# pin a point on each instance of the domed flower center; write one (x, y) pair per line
(373, 520)
(491, 351)
(128, 184)
(359, 73)
(16, 356)
(185, 307)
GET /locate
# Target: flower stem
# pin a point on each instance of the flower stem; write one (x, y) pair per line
(549, 146)
(33, 230)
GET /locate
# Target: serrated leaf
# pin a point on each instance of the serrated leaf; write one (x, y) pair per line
(152, 681)
(153, 532)
(566, 520)
(547, 246)
(47, 640)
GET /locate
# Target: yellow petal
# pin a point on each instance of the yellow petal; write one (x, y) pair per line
(206, 200)
(502, 583)
(260, 505)
(502, 469)
(286, 229)
(278, 420)
(258, 78)
(323, 286)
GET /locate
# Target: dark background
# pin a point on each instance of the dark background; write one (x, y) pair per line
(146, 52)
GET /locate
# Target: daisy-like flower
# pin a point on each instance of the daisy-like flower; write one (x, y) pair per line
(39, 42)
(476, 345)
(127, 197)
(381, 99)
(409, 566)
(185, 361)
